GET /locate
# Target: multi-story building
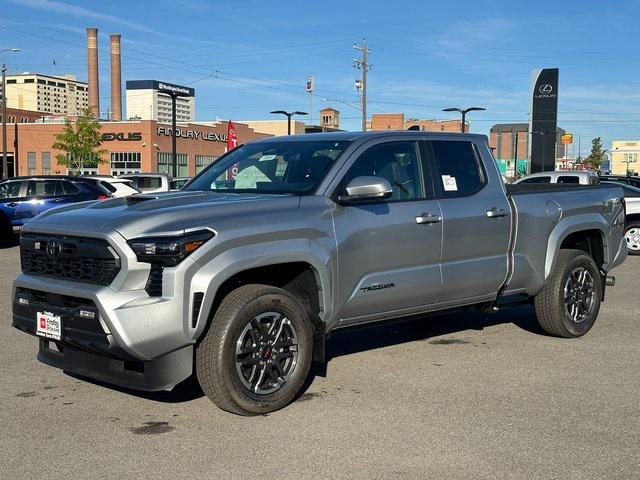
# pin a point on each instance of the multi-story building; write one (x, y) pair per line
(149, 100)
(397, 121)
(62, 95)
(624, 157)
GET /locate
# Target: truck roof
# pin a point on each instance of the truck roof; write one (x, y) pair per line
(350, 136)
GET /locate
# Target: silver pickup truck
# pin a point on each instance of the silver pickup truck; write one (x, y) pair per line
(240, 277)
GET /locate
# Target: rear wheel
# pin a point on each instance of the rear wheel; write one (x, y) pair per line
(632, 236)
(569, 303)
(257, 353)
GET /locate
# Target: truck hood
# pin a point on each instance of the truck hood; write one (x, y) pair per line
(157, 214)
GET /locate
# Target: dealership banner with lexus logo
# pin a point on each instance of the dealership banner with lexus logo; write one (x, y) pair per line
(543, 120)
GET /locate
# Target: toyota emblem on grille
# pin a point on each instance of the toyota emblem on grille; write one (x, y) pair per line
(54, 249)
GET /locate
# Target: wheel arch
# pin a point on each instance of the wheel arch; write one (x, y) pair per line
(304, 276)
(586, 234)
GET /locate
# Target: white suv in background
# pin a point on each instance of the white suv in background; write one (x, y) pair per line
(149, 182)
(578, 178)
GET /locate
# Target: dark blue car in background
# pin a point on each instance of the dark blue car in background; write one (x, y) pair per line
(22, 198)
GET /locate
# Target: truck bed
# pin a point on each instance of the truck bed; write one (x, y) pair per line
(515, 189)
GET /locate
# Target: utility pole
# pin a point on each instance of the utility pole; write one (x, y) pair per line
(5, 167)
(363, 66)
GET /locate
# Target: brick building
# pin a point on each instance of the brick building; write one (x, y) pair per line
(510, 145)
(397, 121)
(18, 115)
(133, 146)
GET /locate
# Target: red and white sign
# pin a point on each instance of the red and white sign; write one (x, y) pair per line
(48, 325)
(232, 142)
(232, 138)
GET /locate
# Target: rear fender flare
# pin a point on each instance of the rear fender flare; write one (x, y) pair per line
(570, 225)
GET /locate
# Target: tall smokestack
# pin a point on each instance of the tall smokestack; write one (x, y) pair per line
(92, 67)
(116, 78)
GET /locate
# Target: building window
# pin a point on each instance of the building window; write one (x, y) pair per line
(202, 161)
(125, 162)
(165, 164)
(28, 80)
(31, 163)
(46, 163)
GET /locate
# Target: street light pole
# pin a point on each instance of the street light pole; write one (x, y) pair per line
(5, 167)
(463, 112)
(288, 115)
(174, 93)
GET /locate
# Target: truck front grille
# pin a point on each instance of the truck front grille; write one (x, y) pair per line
(84, 260)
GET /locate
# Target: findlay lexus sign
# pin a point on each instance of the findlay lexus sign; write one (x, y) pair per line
(192, 134)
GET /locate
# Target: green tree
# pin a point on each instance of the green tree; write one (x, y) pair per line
(597, 156)
(80, 143)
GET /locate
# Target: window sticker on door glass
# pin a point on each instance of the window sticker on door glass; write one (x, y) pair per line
(449, 183)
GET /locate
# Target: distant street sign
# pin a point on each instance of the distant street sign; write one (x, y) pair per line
(567, 138)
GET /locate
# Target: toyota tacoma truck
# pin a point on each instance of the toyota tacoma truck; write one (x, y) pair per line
(240, 278)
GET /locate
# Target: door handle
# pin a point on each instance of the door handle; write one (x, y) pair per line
(428, 218)
(496, 213)
(12, 204)
(57, 200)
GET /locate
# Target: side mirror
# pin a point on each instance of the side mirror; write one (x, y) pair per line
(366, 189)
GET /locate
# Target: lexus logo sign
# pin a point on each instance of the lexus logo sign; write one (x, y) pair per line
(545, 88)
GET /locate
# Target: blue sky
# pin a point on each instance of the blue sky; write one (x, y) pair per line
(246, 58)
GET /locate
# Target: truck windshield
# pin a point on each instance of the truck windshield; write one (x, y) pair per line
(295, 167)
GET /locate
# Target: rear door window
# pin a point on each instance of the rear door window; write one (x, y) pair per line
(568, 179)
(536, 180)
(458, 171)
(69, 188)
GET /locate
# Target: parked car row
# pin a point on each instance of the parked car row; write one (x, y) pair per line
(22, 198)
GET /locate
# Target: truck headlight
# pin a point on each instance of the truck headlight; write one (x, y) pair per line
(168, 251)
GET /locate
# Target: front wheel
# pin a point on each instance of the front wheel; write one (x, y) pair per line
(257, 353)
(569, 303)
(632, 236)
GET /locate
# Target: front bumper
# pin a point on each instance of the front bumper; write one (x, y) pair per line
(87, 349)
(133, 333)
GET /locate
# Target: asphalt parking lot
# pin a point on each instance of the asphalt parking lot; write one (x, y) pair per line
(467, 395)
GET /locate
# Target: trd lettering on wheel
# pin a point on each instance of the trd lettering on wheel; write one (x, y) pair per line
(371, 288)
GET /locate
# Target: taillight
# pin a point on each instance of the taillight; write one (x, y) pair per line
(102, 197)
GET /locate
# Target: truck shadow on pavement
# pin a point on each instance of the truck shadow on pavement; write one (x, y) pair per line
(364, 338)
(359, 339)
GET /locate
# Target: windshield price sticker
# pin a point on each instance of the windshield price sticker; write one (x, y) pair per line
(449, 183)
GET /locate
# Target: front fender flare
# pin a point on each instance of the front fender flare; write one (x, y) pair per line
(231, 262)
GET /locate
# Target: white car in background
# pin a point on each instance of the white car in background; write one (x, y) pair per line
(576, 177)
(117, 187)
(632, 227)
(149, 182)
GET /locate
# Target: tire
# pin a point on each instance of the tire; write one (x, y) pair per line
(576, 315)
(632, 236)
(242, 330)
